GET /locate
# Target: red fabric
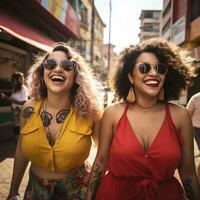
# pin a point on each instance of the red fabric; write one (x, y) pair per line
(24, 32)
(136, 175)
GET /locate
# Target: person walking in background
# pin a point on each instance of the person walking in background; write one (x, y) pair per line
(56, 127)
(195, 86)
(18, 97)
(193, 107)
(144, 138)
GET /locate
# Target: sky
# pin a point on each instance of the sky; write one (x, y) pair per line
(125, 21)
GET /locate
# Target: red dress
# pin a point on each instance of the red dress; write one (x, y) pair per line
(136, 175)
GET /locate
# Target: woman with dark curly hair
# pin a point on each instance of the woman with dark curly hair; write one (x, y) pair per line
(144, 138)
(56, 127)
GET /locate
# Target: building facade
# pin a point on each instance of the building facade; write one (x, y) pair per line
(166, 20)
(186, 32)
(90, 42)
(150, 24)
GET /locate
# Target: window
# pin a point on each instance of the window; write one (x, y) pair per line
(82, 45)
(73, 4)
(151, 27)
(156, 15)
(148, 14)
(195, 9)
(83, 13)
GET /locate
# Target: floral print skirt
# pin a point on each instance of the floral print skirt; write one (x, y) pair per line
(73, 187)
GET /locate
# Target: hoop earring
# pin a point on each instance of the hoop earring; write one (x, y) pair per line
(161, 95)
(43, 83)
(131, 95)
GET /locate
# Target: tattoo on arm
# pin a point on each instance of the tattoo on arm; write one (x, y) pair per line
(27, 112)
(96, 181)
(187, 184)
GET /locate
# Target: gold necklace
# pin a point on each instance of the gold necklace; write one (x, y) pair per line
(146, 109)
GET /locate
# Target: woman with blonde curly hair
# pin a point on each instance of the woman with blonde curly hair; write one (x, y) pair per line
(144, 138)
(56, 127)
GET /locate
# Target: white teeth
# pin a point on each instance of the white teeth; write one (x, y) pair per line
(56, 77)
(151, 82)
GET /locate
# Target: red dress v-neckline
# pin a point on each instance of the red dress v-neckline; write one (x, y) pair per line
(138, 141)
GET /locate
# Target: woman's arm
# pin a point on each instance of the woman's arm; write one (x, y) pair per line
(187, 170)
(12, 100)
(96, 128)
(20, 162)
(100, 163)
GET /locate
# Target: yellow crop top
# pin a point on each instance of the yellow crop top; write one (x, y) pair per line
(71, 148)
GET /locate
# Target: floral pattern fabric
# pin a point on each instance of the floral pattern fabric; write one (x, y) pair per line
(72, 187)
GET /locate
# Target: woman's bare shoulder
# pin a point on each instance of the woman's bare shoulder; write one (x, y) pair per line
(116, 106)
(177, 109)
(178, 113)
(115, 110)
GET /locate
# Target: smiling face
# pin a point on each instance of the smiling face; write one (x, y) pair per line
(147, 84)
(58, 80)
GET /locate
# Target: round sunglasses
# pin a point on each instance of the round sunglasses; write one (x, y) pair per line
(145, 68)
(67, 65)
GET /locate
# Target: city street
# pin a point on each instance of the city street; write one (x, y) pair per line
(58, 53)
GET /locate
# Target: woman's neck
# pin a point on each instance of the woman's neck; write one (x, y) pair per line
(146, 103)
(58, 102)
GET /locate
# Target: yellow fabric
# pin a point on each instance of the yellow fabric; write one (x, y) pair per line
(71, 148)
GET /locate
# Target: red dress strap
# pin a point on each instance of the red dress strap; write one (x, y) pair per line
(171, 123)
(122, 116)
(168, 114)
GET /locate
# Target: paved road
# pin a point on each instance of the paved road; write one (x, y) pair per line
(6, 166)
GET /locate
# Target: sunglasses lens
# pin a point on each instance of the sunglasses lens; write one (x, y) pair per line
(67, 65)
(49, 64)
(144, 68)
(161, 68)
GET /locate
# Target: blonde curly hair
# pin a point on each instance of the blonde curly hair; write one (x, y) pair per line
(84, 96)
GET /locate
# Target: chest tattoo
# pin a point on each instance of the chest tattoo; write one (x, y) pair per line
(46, 118)
(61, 115)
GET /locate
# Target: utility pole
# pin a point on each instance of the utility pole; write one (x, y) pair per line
(92, 34)
(109, 40)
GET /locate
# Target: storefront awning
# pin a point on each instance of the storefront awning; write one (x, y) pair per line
(25, 32)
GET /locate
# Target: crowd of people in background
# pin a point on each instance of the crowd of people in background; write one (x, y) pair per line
(57, 115)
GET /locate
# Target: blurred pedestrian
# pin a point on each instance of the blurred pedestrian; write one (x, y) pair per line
(144, 138)
(195, 86)
(56, 127)
(18, 97)
(193, 107)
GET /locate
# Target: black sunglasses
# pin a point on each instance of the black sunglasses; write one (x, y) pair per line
(144, 68)
(67, 65)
